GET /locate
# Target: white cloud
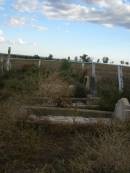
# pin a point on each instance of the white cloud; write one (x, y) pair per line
(18, 41)
(65, 11)
(17, 21)
(1, 2)
(40, 27)
(1, 32)
(21, 41)
(26, 5)
(104, 12)
(34, 44)
(2, 37)
(108, 25)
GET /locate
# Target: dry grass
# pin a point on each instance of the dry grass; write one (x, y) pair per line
(109, 153)
(57, 148)
(55, 88)
(48, 148)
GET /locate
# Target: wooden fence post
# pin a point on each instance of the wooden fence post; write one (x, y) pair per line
(8, 60)
(83, 65)
(120, 78)
(93, 79)
(2, 64)
(39, 63)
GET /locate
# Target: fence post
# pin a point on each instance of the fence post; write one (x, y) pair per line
(120, 78)
(83, 65)
(2, 64)
(8, 59)
(39, 63)
(93, 79)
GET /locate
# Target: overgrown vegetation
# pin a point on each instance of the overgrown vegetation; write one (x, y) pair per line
(27, 148)
(57, 148)
(25, 80)
(75, 78)
(108, 91)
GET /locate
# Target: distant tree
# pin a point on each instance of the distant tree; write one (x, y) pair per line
(105, 60)
(127, 63)
(85, 58)
(50, 57)
(76, 58)
(65, 66)
(122, 62)
(98, 61)
(36, 57)
(68, 58)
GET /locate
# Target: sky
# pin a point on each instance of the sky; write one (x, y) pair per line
(66, 28)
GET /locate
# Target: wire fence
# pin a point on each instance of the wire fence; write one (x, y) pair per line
(94, 70)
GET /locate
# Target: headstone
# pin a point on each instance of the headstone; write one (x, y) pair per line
(87, 82)
(120, 78)
(71, 90)
(122, 110)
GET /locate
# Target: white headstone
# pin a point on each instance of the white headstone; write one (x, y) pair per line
(122, 110)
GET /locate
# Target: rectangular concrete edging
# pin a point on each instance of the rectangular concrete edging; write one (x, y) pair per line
(53, 111)
(68, 120)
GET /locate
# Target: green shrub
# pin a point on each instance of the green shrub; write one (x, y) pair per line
(65, 70)
(80, 90)
(109, 94)
(25, 80)
(65, 66)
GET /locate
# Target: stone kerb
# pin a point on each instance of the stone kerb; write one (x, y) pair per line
(122, 110)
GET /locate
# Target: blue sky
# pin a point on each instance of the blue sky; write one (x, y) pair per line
(66, 28)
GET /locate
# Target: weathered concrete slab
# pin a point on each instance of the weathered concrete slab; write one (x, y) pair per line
(54, 111)
(67, 120)
(80, 105)
(84, 106)
(90, 99)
